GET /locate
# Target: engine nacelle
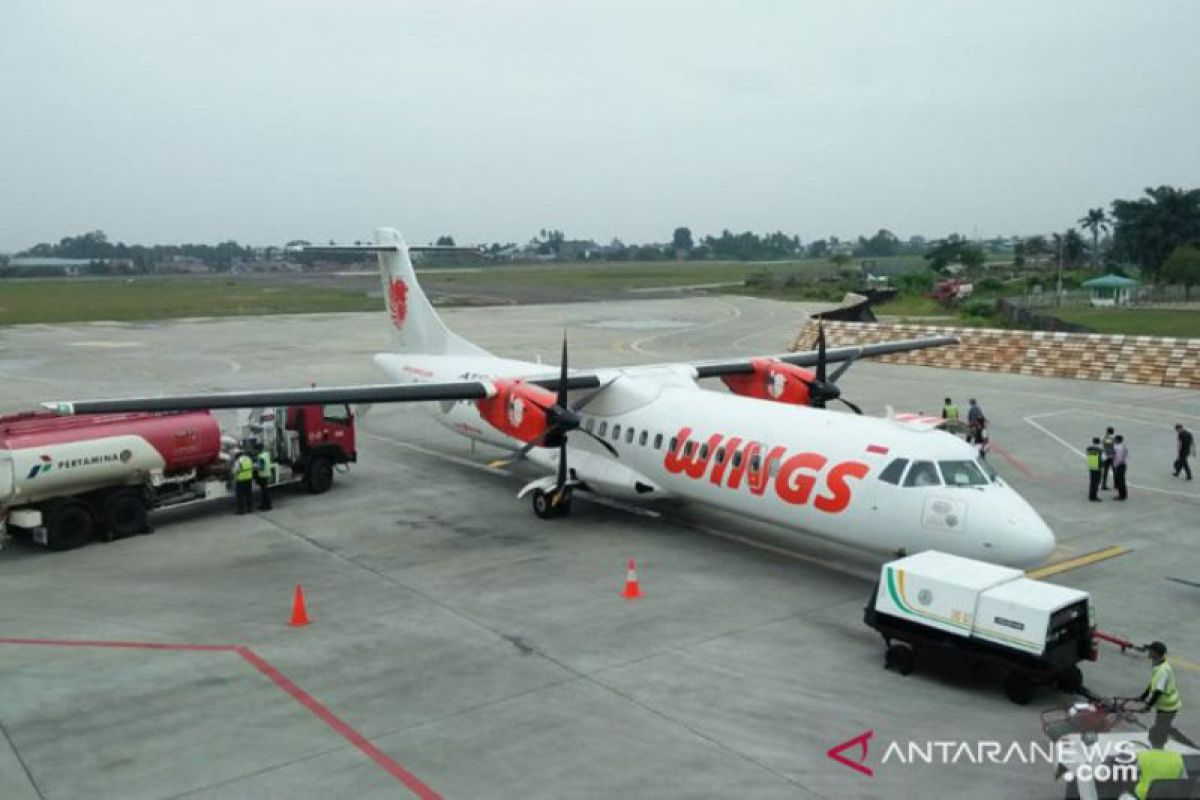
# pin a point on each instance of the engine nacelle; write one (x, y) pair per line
(772, 380)
(516, 409)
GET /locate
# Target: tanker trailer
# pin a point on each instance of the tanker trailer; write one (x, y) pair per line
(67, 479)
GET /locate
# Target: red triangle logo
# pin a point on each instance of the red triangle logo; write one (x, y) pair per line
(859, 742)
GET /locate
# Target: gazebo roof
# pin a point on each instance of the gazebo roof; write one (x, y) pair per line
(1110, 282)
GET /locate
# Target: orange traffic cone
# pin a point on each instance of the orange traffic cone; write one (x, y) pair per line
(299, 611)
(632, 590)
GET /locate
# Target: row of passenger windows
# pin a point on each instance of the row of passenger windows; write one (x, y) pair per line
(921, 473)
(629, 434)
(929, 473)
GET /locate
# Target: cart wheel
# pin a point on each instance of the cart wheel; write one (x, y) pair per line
(1070, 680)
(1018, 688)
(899, 658)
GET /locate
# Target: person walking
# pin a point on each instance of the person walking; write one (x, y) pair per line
(243, 482)
(983, 443)
(1162, 695)
(1095, 453)
(1186, 449)
(1120, 460)
(264, 476)
(1106, 464)
(949, 410)
(975, 420)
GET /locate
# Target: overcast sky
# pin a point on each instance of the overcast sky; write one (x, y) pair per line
(266, 121)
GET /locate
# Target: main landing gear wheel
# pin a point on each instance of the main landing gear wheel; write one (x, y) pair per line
(545, 507)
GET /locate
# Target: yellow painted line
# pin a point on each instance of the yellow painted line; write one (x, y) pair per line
(1077, 562)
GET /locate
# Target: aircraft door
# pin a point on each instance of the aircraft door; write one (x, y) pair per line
(6, 475)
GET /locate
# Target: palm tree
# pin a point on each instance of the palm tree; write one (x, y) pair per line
(1095, 221)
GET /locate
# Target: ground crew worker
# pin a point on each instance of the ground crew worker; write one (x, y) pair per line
(1163, 696)
(949, 410)
(264, 474)
(1106, 464)
(243, 482)
(983, 443)
(1155, 765)
(1186, 449)
(1095, 454)
(1120, 461)
(975, 420)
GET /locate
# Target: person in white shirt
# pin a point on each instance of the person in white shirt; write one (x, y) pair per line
(1120, 460)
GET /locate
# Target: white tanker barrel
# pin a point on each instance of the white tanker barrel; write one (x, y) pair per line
(43, 455)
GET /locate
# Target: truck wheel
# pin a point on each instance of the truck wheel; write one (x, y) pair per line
(319, 475)
(899, 658)
(1070, 680)
(1018, 688)
(69, 525)
(123, 513)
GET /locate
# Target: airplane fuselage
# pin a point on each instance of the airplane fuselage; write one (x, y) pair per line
(804, 469)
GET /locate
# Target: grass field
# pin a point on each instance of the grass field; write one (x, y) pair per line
(80, 299)
(1146, 322)
(633, 275)
(148, 298)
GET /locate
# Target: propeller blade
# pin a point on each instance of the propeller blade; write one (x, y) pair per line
(820, 351)
(520, 454)
(853, 407)
(607, 446)
(562, 375)
(582, 403)
(841, 370)
(562, 465)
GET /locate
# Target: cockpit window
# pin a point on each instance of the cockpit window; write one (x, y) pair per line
(922, 473)
(987, 469)
(893, 471)
(962, 473)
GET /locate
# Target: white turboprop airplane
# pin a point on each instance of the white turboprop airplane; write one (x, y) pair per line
(768, 450)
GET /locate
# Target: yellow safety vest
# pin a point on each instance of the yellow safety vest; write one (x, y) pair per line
(1169, 700)
(1156, 765)
(1093, 458)
(244, 469)
(264, 466)
(950, 412)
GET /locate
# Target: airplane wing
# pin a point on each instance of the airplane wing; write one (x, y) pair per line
(459, 390)
(375, 393)
(833, 355)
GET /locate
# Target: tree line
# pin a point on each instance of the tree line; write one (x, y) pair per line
(1159, 233)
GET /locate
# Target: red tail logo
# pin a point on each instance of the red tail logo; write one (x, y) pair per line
(860, 742)
(398, 299)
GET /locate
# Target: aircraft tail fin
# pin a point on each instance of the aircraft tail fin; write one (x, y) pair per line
(416, 326)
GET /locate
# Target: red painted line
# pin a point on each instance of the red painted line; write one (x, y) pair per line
(212, 648)
(355, 738)
(392, 767)
(1012, 460)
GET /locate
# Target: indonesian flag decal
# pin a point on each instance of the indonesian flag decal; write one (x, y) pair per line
(398, 300)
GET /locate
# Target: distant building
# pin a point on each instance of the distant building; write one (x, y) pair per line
(184, 265)
(1111, 290)
(49, 265)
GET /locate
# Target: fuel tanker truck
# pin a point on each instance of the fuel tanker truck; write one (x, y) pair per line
(67, 479)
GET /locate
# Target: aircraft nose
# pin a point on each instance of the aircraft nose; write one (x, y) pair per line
(1030, 540)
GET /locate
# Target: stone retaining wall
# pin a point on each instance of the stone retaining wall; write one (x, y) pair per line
(1152, 360)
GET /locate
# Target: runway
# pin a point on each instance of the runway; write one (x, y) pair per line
(486, 653)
